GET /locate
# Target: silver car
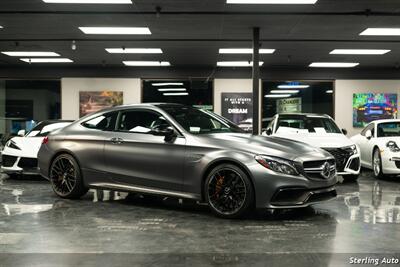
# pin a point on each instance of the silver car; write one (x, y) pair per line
(179, 151)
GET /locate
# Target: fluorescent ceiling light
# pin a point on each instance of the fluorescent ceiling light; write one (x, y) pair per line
(134, 50)
(47, 60)
(88, 1)
(147, 63)
(236, 63)
(165, 84)
(333, 65)
(171, 89)
(175, 94)
(279, 2)
(293, 86)
(381, 31)
(329, 91)
(359, 51)
(244, 51)
(277, 96)
(1, 27)
(285, 91)
(115, 30)
(30, 54)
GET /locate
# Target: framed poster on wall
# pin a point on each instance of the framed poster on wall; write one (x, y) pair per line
(368, 107)
(288, 105)
(92, 101)
(238, 108)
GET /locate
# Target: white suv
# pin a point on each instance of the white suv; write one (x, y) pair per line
(320, 131)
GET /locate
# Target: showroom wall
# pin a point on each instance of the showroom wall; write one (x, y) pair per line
(70, 88)
(344, 90)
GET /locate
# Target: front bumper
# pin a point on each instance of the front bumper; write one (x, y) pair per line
(390, 163)
(346, 163)
(19, 165)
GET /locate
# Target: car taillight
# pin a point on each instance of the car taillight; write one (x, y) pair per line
(45, 140)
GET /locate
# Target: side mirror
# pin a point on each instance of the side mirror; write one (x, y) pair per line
(344, 131)
(21, 133)
(168, 132)
(268, 131)
(368, 134)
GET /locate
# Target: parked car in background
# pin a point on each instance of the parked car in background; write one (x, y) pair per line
(379, 145)
(19, 155)
(180, 151)
(247, 125)
(373, 111)
(320, 131)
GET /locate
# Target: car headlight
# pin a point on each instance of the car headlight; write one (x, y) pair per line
(351, 149)
(12, 144)
(277, 164)
(393, 146)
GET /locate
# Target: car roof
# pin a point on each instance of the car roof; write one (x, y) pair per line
(305, 114)
(386, 120)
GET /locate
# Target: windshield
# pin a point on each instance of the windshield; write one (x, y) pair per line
(197, 121)
(388, 129)
(43, 129)
(306, 124)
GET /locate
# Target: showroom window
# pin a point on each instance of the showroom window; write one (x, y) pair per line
(24, 103)
(197, 93)
(297, 97)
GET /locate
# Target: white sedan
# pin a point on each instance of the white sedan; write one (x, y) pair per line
(20, 153)
(378, 143)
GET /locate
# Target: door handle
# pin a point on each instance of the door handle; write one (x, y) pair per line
(116, 140)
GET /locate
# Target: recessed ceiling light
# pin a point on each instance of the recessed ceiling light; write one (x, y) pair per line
(333, 65)
(147, 63)
(47, 60)
(30, 54)
(165, 84)
(88, 1)
(359, 51)
(278, 2)
(329, 91)
(293, 86)
(285, 91)
(381, 31)
(277, 96)
(175, 94)
(1, 27)
(134, 50)
(115, 30)
(171, 89)
(236, 63)
(244, 51)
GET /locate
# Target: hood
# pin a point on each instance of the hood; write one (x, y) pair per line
(273, 146)
(332, 140)
(29, 146)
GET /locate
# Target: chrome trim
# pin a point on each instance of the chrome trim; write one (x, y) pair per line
(143, 189)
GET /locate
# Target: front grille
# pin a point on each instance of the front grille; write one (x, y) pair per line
(8, 161)
(28, 163)
(341, 156)
(315, 169)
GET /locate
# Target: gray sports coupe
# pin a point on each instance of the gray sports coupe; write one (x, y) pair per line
(179, 151)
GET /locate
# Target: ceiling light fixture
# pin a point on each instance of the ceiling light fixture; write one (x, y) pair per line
(277, 96)
(236, 63)
(29, 54)
(175, 94)
(293, 86)
(285, 91)
(88, 1)
(115, 30)
(1, 27)
(359, 51)
(333, 65)
(272, 2)
(147, 63)
(329, 91)
(47, 60)
(171, 89)
(165, 84)
(244, 51)
(382, 31)
(134, 50)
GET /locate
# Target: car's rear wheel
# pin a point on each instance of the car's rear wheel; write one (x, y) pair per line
(66, 178)
(228, 191)
(377, 164)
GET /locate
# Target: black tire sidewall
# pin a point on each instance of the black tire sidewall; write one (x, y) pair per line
(249, 201)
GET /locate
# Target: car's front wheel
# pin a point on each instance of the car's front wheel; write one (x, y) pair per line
(377, 164)
(66, 178)
(228, 191)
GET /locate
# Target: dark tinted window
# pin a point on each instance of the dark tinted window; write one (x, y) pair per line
(141, 121)
(388, 129)
(105, 122)
(307, 123)
(44, 128)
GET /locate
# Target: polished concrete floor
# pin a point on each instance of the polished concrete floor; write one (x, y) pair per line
(112, 228)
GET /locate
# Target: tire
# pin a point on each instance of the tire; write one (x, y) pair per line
(351, 177)
(377, 164)
(66, 177)
(228, 191)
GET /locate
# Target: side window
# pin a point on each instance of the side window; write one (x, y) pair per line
(105, 122)
(141, 121)
(369, 127)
